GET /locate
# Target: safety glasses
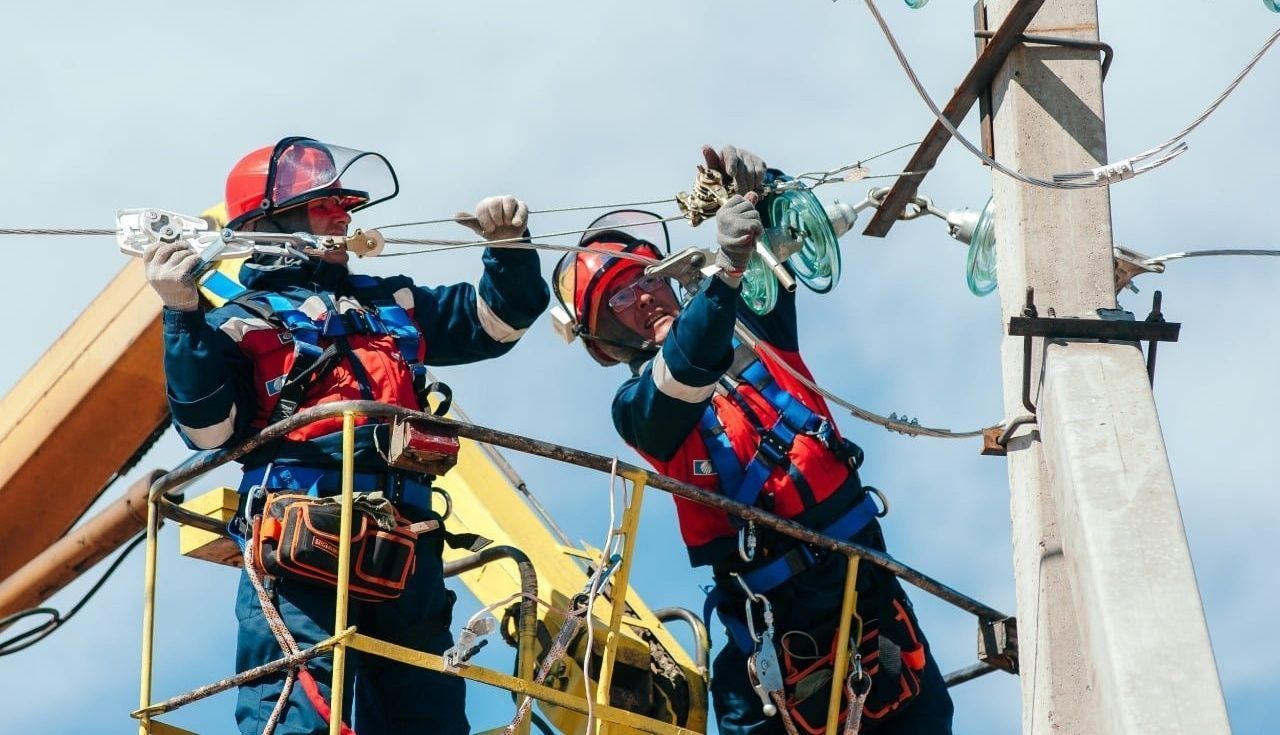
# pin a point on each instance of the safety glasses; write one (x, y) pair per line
(627, 297)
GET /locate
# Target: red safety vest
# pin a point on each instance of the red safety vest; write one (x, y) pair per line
(364, 346)
(766, 440)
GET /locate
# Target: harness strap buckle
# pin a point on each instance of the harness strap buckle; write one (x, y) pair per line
(773, 450)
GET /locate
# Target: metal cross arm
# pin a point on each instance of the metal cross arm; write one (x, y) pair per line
(980, 75)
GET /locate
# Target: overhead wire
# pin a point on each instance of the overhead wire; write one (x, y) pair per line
(56, 620)
(1208, 253)
(581, 208)
(1177, 138)
(1101, 176)
(909, 427)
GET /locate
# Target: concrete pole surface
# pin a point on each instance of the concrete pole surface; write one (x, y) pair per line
(1111, 630)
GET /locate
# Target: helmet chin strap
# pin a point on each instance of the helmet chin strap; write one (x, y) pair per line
(646, 345)
(643, 349)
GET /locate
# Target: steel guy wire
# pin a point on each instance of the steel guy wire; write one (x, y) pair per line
(623, 205)
(942, 119)
(892, 423)
(826, 177)
(1207, 253)
(1203, 116)
(1101, 176)
(517, 242)
(54, 231)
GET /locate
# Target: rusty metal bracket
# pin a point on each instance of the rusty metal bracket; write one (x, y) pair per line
(984, 101)
(997, 651)
(998, 643)
(979, 77)
(1108, 53)
(1114, 326)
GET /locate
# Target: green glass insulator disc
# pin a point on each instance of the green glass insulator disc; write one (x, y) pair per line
(759, 287)
(799, 213)
(980, 269)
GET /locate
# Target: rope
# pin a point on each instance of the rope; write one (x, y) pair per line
(559, 647)
(288, 645)
(892, 423)
(597, 586)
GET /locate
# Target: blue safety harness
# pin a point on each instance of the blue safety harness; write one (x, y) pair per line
(744, 484)
(311, 361)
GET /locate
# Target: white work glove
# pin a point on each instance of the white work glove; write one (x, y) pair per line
(744, 168)
(497, 218)
(737, 227)
(170, 269)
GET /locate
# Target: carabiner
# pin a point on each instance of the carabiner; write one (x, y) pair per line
(747, 542)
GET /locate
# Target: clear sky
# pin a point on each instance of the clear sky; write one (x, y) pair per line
(136, 103)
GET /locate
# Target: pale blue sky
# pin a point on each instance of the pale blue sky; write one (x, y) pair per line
(138, 103)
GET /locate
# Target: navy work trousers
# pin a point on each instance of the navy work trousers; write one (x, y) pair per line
(381, 696)
(811, 601)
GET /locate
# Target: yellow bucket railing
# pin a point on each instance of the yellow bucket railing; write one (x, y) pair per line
(604, 713)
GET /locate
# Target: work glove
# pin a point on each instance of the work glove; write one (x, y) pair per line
(737, 227)
(170, 269)
(744, 168)
(497, 218)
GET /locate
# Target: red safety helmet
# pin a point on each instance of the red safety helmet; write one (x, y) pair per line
(297, 170)
(619, 252)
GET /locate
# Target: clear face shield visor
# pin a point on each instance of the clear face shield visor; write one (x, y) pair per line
(634, 223)
(302, 169)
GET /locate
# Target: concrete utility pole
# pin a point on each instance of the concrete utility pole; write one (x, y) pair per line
(1112, 635)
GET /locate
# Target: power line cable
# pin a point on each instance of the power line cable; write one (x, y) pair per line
(1101, 176)
(56, 619)
(1208, 253)
(624, 205)
(910, 427)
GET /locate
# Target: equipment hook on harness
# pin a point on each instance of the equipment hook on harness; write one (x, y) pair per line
(448, 502)
(884, 501)
(747, 544)
(859, 675)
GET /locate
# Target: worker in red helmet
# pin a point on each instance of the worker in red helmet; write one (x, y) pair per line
(717, 412)
(306, 332)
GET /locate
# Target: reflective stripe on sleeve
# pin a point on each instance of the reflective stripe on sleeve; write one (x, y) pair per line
(404, 299)
(208, 437)
(493, 325)
(669, 386)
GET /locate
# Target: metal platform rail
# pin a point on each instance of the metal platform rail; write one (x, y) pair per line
(160, 505)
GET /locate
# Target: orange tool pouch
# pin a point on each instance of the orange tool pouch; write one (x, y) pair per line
(807, 677)
(892, 656)
(296, 537)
